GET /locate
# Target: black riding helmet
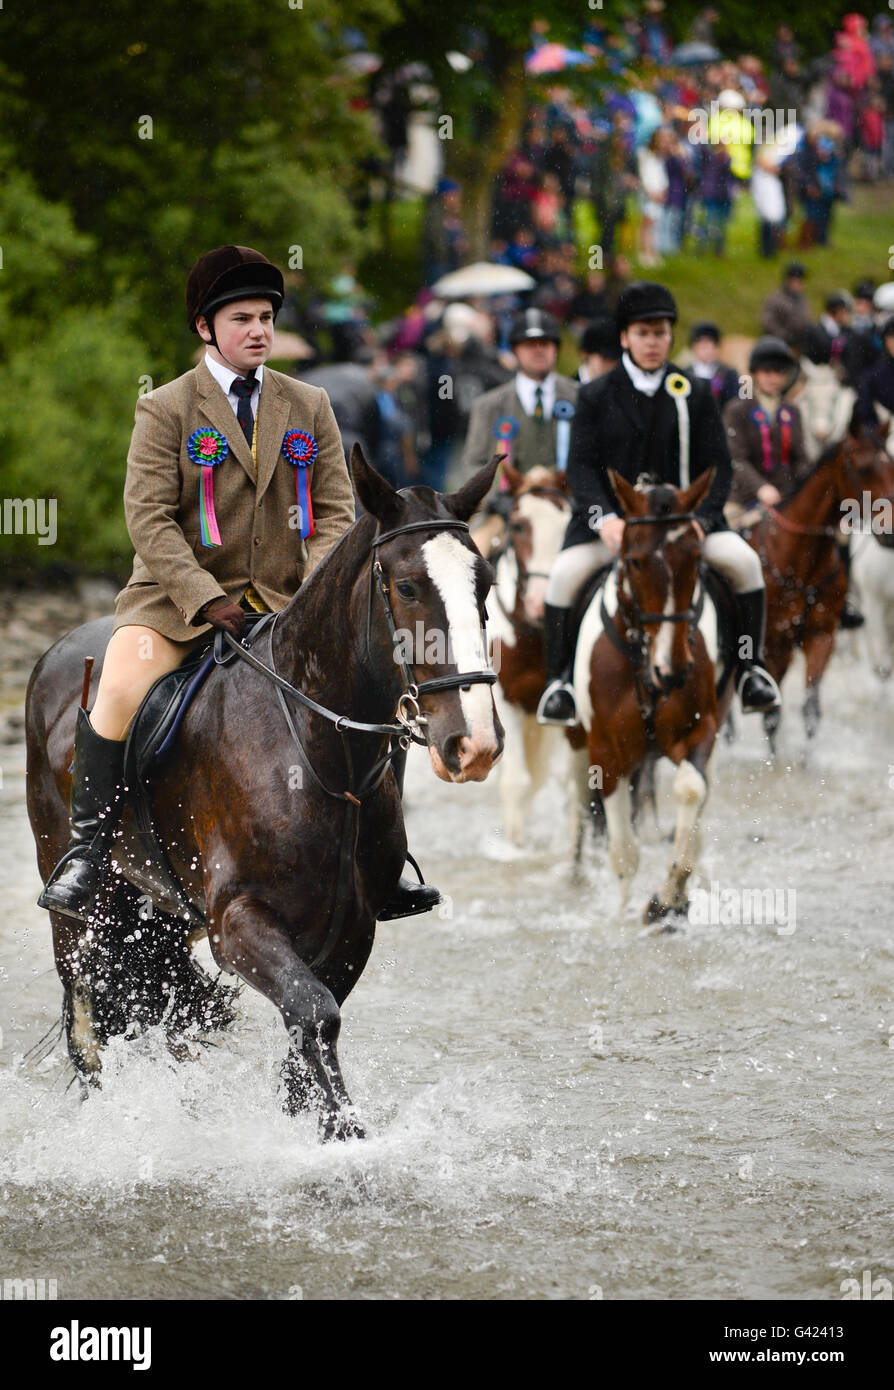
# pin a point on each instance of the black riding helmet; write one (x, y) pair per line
(643, 300)
(601, 336)
(228, 273)
(534, 323)
(705, 328)
(771, 353)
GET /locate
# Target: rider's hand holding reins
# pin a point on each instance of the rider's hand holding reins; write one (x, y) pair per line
(220, 612)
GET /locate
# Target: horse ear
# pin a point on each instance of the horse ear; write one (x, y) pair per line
(631, 501)
(375, 492)
(697, 491)
(464, 503)
(514, 479)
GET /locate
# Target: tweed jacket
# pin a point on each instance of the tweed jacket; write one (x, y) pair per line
(481, 445)
(174, 573)
(747, 450)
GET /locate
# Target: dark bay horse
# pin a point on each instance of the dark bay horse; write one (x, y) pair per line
(284, 826)
(535, 530)
(644, 680)
(805, 578)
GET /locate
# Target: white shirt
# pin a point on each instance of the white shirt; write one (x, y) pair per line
(526, 387)
(704, 370)
(647, 382)
(225, 377)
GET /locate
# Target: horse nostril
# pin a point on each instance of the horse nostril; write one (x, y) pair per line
(452, 750)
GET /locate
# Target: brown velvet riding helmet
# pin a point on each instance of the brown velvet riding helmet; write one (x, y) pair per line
(228, 273)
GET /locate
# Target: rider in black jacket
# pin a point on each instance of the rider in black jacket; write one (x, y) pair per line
(645, 416)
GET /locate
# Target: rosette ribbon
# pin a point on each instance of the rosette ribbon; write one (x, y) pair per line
(505, 431)
(300, 450)
(679, 388)
(563, 414)
(207, 448)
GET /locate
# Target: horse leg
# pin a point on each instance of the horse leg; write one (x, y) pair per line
(817, 650)
(578, 807)
(623, 847)
(252, 941)
(875, 635)
(690, 794)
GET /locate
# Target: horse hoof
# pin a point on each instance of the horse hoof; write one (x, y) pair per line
(341, 1125)
(655, 910)
(664, 917)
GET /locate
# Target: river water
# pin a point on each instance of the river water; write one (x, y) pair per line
(559, 1106)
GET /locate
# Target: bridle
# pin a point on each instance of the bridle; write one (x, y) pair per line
(409, 725)
(810, 592)
(522, 574)
(635, 641)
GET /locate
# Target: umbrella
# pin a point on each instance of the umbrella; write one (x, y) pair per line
(554, 57)
(689, 55)
(360, 64)
(482, 278)
(290, 345)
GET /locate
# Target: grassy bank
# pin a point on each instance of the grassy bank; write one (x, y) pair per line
(728, 289)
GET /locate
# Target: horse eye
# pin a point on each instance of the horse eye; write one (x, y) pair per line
(406, 590)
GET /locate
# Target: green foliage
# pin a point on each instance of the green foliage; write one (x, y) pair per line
(73, 389)
(172, 129)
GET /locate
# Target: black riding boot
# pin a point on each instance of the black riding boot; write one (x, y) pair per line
(757, 689)
(408, 898)
(557, 704)
(850, 613)
(97, 775)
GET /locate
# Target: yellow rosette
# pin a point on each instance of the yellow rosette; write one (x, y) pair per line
(678, 385)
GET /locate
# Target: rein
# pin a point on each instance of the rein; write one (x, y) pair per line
(410, 726)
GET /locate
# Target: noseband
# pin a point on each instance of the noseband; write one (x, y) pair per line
(636, 643)
(408, 713)
(690, 615)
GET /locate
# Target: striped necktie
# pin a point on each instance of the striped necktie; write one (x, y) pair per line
(242, 388)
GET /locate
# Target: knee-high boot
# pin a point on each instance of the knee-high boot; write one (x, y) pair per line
(557, 704)
(95, 807)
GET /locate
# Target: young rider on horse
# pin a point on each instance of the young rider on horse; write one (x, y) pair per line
(644, 416)
(227, 516)
(766, 440)
(765, 434)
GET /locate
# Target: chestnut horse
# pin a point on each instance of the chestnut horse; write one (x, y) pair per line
(644, 679)
(534, 534)
(805, 578)
(280, 813)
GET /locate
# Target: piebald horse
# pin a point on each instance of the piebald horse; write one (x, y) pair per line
(534, 534)
(645, 680)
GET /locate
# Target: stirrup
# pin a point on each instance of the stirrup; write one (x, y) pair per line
(777, 694)
(555, 687)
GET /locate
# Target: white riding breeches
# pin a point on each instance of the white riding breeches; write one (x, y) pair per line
(725, 551)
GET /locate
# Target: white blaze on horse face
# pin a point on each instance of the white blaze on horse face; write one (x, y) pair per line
(664, 638)
(548, 524)
(452, 570)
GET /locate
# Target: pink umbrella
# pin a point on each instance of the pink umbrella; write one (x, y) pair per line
(554, 57)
